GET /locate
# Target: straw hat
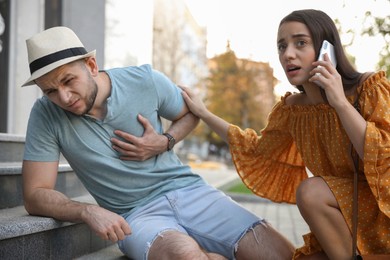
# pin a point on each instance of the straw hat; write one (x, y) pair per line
(51, 49)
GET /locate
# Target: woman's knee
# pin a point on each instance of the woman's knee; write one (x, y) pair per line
(308, 190)
(313, 193)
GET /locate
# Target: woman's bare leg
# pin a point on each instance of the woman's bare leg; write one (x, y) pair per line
(319, 208)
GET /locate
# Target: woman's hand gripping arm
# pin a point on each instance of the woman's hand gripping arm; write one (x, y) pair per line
(198, 108)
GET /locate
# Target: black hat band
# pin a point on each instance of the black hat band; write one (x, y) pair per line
(59, 55)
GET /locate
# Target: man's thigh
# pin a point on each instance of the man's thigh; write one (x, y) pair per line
(175, 245)
(264, 242)
(214, 220)
(147, 224)
(211, 218)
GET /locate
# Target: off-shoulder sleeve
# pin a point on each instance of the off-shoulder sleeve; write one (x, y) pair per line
(270, 164)
(375, 107)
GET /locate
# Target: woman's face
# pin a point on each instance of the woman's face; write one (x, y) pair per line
(296, 51)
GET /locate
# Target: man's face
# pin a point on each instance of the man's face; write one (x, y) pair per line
(70, 87)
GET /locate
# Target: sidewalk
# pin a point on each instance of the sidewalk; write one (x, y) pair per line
(283, 217)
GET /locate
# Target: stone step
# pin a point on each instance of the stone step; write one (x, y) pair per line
(11, 183)
(108, 253)
(31, 237)
(11, 147)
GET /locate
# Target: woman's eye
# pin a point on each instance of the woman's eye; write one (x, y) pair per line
(281, 47)
(301, 43)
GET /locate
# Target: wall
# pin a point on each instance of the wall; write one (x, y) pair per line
(26, 19)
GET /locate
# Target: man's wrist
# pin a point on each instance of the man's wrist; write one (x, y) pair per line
(171, 141)
(86, 211)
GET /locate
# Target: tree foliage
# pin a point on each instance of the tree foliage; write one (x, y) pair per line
(234, 92)
(380, 26)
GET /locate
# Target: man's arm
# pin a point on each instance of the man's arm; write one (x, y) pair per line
(152, 143)
(41, 199)
(182, 125)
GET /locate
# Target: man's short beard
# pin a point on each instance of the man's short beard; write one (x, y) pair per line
(92, 97)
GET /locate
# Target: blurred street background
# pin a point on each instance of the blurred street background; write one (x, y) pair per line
(226, 49)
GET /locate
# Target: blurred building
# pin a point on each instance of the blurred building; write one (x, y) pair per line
(128, 33)
(179, 44)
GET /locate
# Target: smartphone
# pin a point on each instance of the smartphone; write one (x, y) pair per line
(328, 48)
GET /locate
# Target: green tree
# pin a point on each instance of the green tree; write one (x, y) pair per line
(350, 34)
(380, 26)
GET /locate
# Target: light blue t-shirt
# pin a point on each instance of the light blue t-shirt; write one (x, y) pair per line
(116, 185)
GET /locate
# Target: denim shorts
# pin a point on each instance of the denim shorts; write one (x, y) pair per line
(206, 214)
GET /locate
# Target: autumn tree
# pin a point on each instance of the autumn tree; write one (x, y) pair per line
(240, 91)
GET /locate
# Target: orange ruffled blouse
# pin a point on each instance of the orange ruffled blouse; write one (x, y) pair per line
(311, 136)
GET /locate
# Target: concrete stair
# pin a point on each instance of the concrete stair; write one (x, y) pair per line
(32, 237)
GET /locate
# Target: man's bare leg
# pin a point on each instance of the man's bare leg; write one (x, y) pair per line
(175, 245)
(264, 242)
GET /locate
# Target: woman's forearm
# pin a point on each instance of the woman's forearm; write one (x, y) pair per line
(217, 124)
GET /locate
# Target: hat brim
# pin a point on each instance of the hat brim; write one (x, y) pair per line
(39, 73)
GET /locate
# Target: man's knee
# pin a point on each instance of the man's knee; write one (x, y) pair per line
(264, 242)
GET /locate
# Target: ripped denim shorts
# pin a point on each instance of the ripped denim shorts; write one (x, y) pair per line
(214, 220)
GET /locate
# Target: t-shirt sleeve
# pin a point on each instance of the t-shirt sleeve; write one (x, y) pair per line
(41, 143)
(171, 102)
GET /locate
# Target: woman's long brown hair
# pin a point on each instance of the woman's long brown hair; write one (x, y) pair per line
(322, 27)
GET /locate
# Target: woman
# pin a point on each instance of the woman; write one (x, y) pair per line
(314, 130)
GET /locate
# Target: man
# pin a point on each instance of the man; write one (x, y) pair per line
(107, 125)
